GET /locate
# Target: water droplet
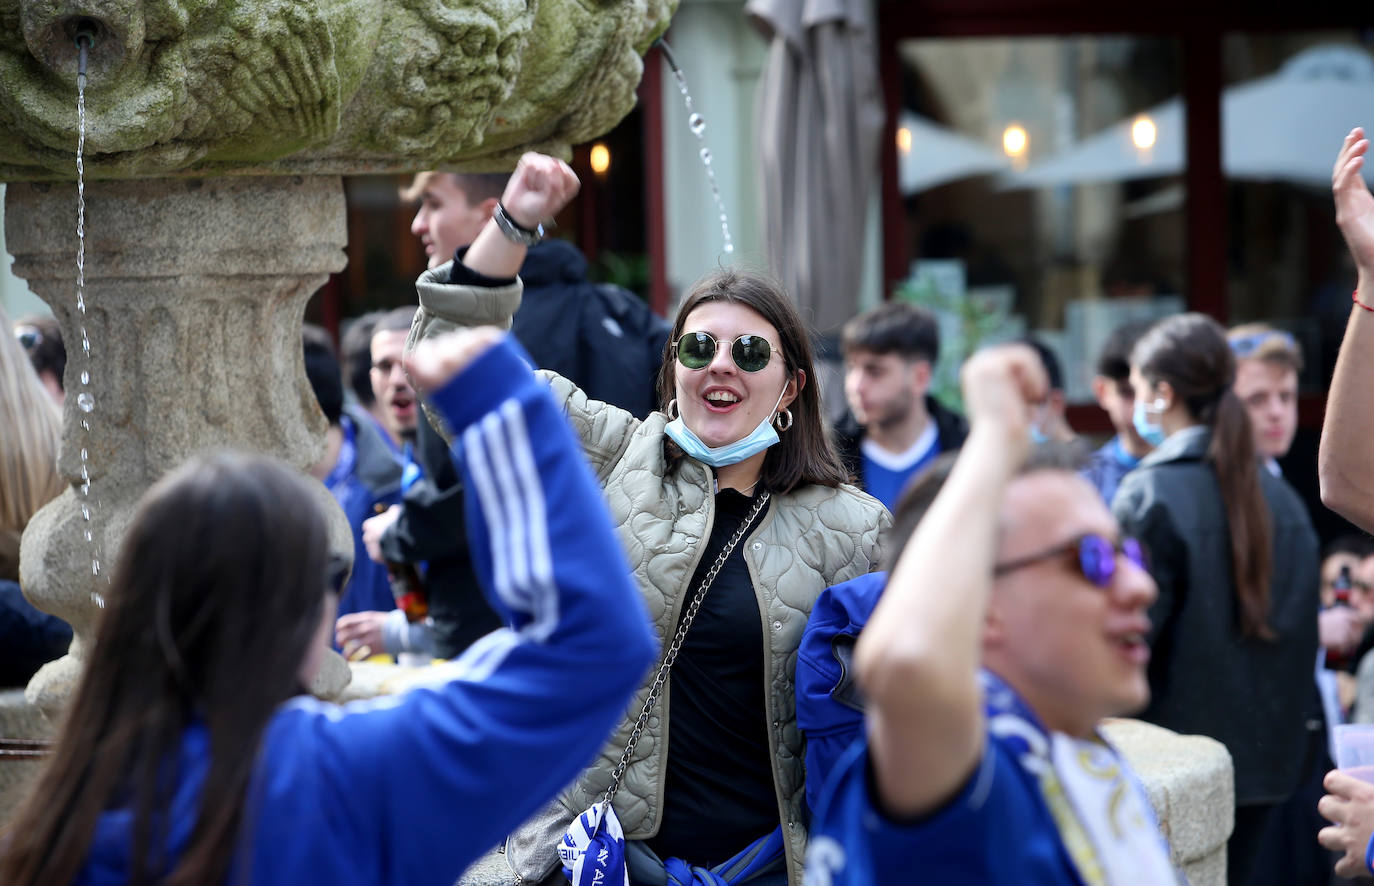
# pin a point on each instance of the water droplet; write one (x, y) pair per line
(95, 567)
(85, 513)
(88, 535)
(706, 156)
(696, 124)
(85, 401)
(85, 425)
(86, 488)
(81, 303)
(723, 219)
(83, 455)
(729, 247)
(85, 474)
(85, 377)
(97, 600)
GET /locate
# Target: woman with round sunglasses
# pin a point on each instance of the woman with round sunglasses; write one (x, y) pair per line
(1234, 629)
(732, 485)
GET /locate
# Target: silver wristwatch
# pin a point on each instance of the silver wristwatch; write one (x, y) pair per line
(514, 231)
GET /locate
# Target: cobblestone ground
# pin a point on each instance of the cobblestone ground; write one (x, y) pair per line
(489, 870)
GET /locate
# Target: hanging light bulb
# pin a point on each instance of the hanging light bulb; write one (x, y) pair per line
(600, 158)
(1144, 132)
(904, 140)
(1015, 141)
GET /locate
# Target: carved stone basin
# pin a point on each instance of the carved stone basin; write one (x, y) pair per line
(197, 283)
(314, 86)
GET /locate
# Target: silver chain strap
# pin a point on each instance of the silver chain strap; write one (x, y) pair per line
(676, 646)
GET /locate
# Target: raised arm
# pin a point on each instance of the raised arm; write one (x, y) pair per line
(917, 660)
(483, 289)
(450, 768)
(1347, 446)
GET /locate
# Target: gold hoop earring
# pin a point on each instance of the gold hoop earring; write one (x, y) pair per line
(671, 411)
(783, 413)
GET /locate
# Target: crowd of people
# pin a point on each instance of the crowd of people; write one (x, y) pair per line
(680, 631)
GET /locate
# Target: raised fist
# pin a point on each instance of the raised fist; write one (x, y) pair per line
(540, 186)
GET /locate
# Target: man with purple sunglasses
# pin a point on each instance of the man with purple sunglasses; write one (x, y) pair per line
(956, 736)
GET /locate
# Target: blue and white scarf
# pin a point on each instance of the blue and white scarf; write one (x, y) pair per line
(593, 853)
(593, 849)
(1104, 818)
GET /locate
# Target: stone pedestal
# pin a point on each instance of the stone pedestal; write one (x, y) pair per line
(195, 290)
(1191, 786)
(18, 718)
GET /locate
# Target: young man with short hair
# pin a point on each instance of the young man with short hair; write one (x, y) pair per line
(1268, 361)
(601, 337)
(1113, 392)
(984, 676)
(358, 468)
(895, 427)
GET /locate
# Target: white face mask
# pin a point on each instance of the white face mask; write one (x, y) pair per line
(754, 442)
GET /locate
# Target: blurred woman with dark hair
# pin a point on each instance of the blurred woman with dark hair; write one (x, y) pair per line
(189, 756)
(1234, 631)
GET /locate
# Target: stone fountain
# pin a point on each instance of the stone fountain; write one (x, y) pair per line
(217, 134)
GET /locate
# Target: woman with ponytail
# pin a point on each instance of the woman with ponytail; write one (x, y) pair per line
(1233, 633)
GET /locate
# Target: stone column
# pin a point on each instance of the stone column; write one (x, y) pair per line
(195, 290)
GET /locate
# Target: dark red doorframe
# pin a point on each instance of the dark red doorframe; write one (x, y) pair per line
(651, 100)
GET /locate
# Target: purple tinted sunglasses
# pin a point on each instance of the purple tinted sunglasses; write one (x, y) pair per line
(1096, 557)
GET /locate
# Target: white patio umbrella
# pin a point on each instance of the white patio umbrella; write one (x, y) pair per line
(1286, 126)
(929, 155)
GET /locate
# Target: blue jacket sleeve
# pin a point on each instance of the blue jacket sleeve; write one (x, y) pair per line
(829, 704)
(412, 789)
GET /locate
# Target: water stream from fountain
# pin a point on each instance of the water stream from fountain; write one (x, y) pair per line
(697, 124)
(85, 401)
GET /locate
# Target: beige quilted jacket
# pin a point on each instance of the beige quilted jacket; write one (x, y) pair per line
(807, 540)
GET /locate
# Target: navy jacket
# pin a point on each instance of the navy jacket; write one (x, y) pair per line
(602, 338)
(1206, 678)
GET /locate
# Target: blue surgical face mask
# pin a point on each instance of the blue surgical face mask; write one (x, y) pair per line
(1149, 430)
(753, 443)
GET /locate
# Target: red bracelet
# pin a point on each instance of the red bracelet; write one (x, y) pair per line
(1355, 297)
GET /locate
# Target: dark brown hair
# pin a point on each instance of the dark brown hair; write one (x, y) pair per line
(217, 594)
(1190, 352)
(920, 492)
(895, 327)
(805, 453)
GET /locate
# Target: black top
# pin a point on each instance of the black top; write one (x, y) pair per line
(719, 796)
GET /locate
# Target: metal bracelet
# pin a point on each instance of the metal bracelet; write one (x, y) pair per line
(513, 230)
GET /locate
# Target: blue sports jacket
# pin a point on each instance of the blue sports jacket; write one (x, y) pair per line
(411, 789)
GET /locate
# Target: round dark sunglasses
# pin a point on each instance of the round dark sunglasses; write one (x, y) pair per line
(1096, 557)
(696, 350)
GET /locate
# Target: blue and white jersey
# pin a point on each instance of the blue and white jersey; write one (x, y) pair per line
(411, 789)
(996, 830)
(1041, 809)
(885, 474)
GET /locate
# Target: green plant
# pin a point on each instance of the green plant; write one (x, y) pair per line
(967, 322)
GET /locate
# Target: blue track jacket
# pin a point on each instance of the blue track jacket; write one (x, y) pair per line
(411, 789)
